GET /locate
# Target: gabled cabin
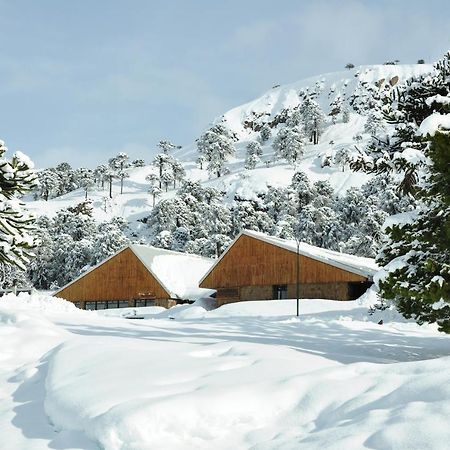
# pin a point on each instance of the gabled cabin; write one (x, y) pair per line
(139, 275)
(260, 267)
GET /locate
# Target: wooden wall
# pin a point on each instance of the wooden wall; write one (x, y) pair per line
(123, 277)
(252, 262)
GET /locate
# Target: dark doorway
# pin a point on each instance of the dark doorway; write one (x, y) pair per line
(280, 291)
(355, 290)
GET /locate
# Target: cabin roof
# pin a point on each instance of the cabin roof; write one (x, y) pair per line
(365, 267)
(177, 273)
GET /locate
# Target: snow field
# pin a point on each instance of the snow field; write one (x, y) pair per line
(246, 375)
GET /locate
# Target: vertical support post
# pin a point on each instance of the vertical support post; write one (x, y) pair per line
(298, 277)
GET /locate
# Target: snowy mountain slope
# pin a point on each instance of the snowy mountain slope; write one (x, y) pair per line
(328, 86)
(333, 378)
(135, 203)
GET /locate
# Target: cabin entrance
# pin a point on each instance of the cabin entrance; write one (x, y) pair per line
(280, 291)
(356, 289)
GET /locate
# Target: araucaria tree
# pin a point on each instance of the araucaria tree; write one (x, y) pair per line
(216, 145)
(16, 178)
(119, 163)
(411, 107)
(167, 146)
(417, 256)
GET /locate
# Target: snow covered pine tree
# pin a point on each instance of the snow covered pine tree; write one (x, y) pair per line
(417, 258)
(16, 178)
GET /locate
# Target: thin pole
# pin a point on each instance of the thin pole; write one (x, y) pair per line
(298, 277)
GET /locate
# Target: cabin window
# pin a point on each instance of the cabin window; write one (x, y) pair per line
(280, 291)
(141, 303)
(112, 304)
(90, 305)
(123, 304)
(77, 304)
(101, 305)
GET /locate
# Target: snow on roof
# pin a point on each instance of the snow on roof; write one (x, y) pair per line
(365, 267)
(178, 273)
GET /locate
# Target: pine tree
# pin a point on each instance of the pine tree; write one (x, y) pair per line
(48, 183)
(162, 162)
(253, 154)
(138, 162)
(109, 240)
(374, 123)
(66, 178)
(178, 171)
(407, 107)
(16, 178)
(110, 175)
(119, 163)
(85, 178)
(342, 157)
(100, 174)
(153, 190)
(167, 146)
(11, 276)
(288, 144)
(301, 191)
(216, 146)
(38, 270)
(417, 256)
(167, 178)
(265, 133)
(313, 119)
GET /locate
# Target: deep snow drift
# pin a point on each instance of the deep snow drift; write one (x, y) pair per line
(247, 375)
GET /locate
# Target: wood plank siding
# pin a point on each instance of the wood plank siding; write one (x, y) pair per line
(122, 277)
(253, 262)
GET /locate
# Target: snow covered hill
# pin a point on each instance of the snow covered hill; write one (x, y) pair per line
(328, 86)
(135, 203)
(333, 378)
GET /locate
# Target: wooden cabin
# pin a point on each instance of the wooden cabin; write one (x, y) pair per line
(139, 275)
(260, 267)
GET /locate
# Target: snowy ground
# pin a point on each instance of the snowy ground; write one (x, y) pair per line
(246, 375)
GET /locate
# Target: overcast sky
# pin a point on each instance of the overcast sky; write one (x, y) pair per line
(81, 80)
